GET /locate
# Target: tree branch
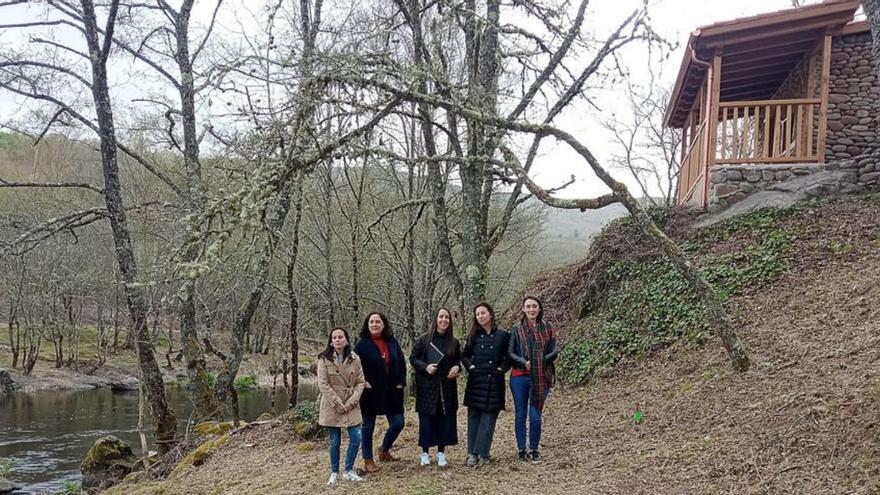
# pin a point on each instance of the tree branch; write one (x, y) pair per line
(7, 184)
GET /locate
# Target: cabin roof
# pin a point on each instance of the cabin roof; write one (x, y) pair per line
(758, 52)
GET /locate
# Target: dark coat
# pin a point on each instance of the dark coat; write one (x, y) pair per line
(435, 394)
(383, 397)
(518, 355)
(485, 360)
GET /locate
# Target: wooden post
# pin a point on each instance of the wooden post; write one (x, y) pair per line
(823, 106)
(713, 95)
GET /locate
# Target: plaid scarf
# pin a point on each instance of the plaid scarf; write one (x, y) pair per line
(534, 340)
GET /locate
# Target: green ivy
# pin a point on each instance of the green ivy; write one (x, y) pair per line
(246, 383)
(649, 304)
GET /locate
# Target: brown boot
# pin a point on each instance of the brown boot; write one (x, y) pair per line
(385, 456)
(370, 466)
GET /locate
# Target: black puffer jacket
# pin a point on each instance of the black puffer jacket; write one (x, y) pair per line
(436, 394)
(486, 362)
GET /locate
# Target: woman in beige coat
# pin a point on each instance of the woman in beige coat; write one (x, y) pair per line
(341, 381)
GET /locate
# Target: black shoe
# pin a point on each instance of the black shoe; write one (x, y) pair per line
(522, 455)
(535, 457)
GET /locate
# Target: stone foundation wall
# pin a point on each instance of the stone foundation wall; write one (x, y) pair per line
(731, 183)
(854, 108)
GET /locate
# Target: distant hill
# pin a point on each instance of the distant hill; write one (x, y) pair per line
(570, 232)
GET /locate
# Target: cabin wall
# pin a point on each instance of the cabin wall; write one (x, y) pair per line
(795, 85)
(853, 107)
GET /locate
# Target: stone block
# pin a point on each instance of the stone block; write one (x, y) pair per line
(752, 175)
(869, 177)
(783, 174)
(724, 190)
(734, 175)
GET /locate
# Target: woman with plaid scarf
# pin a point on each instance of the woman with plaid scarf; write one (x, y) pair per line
(532, 351)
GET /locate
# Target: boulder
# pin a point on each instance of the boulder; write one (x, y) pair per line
(7, 384)
(106, 463)
(304, 420)
(7, 486)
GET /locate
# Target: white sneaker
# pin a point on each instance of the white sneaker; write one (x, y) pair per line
(425, 459)
(333, 478)
(351, 476)
(441, 459)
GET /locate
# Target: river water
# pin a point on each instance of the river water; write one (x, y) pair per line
(46, 434)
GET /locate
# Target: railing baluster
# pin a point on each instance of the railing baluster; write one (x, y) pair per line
(724, 134)
(735, 137)
(809, 149)
(744, 148)
(766, 132)
(788, 131)
(799, 130)
(755, 132)
(776, 131)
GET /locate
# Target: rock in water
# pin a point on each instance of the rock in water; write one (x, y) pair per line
(106, 463)
(7, 384)
(7, 486)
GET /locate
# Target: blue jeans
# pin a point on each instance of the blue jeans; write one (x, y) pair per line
(521, 388)
(354, 441)
(395, 426)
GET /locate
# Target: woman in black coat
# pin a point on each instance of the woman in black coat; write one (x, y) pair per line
(385, 373)
(485, 359)
(436, 358)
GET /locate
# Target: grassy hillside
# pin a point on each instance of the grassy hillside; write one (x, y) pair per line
(802, 287)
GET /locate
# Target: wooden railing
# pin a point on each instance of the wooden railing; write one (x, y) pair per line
(768, 131)
(692, 168)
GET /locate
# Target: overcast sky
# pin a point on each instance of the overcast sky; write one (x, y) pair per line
(673, 19)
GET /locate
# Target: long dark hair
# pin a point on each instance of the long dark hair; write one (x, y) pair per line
(475, 326)
(523, 319)
(386, 327)
(449, 335)
(330, 353)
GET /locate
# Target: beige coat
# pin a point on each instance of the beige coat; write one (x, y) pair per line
(340, 384)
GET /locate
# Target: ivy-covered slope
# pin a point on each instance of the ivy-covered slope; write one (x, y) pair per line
(625, 300)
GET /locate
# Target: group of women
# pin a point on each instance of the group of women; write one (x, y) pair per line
(358, 385)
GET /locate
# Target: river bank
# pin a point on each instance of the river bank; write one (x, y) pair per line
(49, 379)
(119, 373)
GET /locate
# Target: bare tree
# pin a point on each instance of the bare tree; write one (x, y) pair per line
(645, 148)
(27, 77)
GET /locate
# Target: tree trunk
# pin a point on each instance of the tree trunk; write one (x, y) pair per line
(326, 234)
(293, 322)
(872, 12)
(163, 417)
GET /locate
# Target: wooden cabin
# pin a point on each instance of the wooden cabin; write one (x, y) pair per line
(762, 98)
